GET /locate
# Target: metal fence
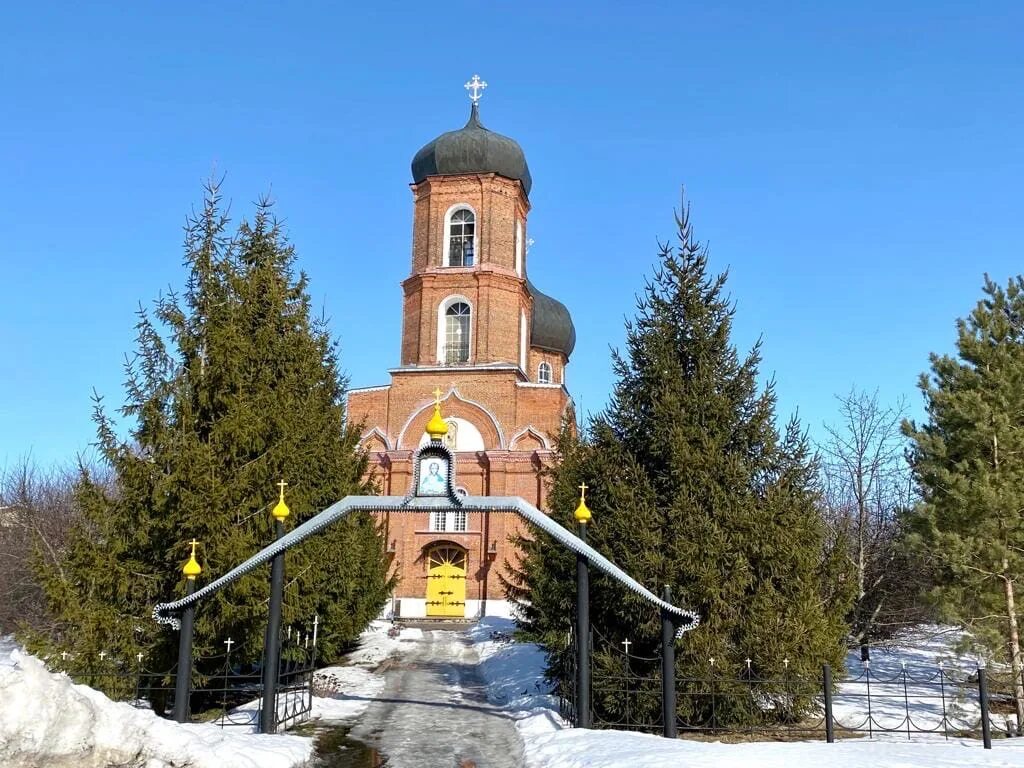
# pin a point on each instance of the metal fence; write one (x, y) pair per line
(228, 694)
(906, 703)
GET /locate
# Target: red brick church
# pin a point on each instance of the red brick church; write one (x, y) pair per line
(474, 327)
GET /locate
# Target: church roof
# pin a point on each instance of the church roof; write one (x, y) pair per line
(551, 327)
(472, 149)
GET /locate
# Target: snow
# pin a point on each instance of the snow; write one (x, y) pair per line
(514, 673)
(47, 720)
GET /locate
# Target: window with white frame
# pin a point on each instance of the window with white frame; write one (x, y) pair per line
(457, 520)
(437, 520)
(544, 373)
(461, 238)
(457, 319)
(452, 520)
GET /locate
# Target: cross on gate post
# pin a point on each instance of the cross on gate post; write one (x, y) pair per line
(183, 675)
(272, 639)
(583, 516)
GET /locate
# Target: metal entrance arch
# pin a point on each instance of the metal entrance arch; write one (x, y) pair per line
(168, 613)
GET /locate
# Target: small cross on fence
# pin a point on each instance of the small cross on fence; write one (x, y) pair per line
(103, 655)
(625, 644)
(229, 642)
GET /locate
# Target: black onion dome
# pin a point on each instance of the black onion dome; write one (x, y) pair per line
(472, 149)
(551, 327)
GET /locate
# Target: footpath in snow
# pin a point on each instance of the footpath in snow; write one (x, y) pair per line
(434, 711)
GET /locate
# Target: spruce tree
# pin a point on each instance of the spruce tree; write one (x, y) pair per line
(968, 461)
(692, 486)
(234, 386)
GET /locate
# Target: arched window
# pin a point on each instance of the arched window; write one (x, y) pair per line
(461, 238)
(451, 440)
(456, 333)
(544, 373)
(519, 248)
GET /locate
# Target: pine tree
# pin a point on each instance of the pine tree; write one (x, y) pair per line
(693, 487)
(234, 386)
(968, 461)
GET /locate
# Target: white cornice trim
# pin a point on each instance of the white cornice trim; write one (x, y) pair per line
(376, 388)
(482, 367)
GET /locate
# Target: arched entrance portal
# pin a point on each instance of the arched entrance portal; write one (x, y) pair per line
(446, 581)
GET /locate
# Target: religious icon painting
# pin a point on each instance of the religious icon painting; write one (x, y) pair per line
(433, 476)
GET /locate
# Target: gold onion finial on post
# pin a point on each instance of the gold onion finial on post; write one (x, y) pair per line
(192, 568)
(436, 427)
(583, 511)
(281, 511)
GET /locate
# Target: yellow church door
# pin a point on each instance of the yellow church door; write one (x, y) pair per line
(446, 582)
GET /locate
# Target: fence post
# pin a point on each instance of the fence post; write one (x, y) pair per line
(826, 679)
(183, 677)
(582, 635)
(272, 640)
(668, 669)
(986, 725)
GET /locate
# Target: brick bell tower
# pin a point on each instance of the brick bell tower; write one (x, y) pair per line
(474, 327)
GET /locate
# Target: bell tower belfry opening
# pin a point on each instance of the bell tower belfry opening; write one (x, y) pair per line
(492, 347)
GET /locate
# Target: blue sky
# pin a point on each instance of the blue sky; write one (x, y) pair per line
(857, 167)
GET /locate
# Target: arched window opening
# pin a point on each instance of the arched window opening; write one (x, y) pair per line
(544, 373)
(519, 248)
(456, 333)
(461, 233)
(451, 440)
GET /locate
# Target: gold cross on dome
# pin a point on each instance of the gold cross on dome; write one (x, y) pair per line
(583, 490)
(475, 87)
(282, 485)
(437, 396)
(194, 544)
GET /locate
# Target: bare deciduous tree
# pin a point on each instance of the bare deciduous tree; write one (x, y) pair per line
(867, 487)
(36, 509)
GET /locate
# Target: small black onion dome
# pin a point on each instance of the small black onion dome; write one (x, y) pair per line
(472, 149)
(551, 326)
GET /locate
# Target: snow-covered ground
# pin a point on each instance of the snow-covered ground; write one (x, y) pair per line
(513, 672)
(48, 721)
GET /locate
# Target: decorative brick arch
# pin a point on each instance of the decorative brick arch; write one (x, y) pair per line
(456, 405)
(529, 439)
(375, 441)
